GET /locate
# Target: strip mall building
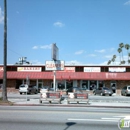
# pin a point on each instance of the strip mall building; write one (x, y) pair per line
(84, 76)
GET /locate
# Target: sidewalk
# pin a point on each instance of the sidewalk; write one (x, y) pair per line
(35, 102)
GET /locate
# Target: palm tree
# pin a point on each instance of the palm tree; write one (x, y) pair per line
(4, 90)
(129, 56)
(127, 46)
(109, 62)
(119, 50)
(121, 45)
(114, 56)
(113, 60)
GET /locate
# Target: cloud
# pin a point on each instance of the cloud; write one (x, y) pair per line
(1, 16)
(73, 62)
(108, 56)
(79, 52)
(100, 51)
(112, 49)
(36, 62)
(92, 55)
(35, 47)
(42, 47)
(127, 3)
(46, 47)
(58, 24)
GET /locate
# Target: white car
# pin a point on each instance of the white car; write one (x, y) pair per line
(44, 89)
(24, 88)
(125, 90)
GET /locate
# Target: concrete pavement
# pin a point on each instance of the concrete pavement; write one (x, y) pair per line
(64, 103)
(93, 102)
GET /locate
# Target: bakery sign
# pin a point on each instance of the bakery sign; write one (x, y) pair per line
(117, 69)
(36, 69)
(92, 69)
(1, 69)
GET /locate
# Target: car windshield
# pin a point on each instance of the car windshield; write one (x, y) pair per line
(44, 88)
(22, 86)
(106, 88)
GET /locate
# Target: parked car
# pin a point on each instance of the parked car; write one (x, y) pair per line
(74, 89)
(103, 91)
(24, 88)
(125, 90)
(46, 89)
(1, 86)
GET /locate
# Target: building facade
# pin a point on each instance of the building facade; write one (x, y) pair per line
(84, 76)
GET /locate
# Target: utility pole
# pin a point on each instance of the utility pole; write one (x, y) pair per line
(4, 89)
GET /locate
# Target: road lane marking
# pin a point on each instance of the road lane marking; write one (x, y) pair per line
(110, 118)
(100, 120)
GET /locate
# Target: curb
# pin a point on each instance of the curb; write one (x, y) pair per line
(70, 105)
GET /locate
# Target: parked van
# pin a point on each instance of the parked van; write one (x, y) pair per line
(125, 90)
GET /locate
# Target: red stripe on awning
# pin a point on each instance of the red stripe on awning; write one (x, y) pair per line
(68, 75)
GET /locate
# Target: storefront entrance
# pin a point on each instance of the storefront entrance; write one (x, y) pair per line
(113, 86)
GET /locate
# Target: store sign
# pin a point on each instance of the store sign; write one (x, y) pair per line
(36, 69)
(117, 69)
(1, 69)
(54, 65)
(53, 95)
(92, 69)
(81, 95)
(68, 69)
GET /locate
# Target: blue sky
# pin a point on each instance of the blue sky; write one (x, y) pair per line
(85, 31)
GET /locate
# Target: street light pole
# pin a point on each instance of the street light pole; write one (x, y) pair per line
(4, 90)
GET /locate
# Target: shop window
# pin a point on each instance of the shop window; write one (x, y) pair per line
(79, 69)
(61, 86)
(69, 84)
(101, 84)
(85, 85)
(93, 85)
(104, 69)
(127, 69)
(43, 69)
(9, 68)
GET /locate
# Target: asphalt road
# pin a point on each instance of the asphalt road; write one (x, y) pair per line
(60, 118)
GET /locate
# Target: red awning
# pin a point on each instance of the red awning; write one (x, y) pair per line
(68, 75)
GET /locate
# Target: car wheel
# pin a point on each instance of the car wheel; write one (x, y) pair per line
(110, 95)
(94, 93)
(36, 92)
(40, 101)
(20, 93)
(50, 102)
(125, 94)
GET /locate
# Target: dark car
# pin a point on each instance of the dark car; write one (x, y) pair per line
(103, 91)
(125, 90)
(74, 89)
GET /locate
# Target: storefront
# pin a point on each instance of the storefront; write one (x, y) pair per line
(86, 77)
